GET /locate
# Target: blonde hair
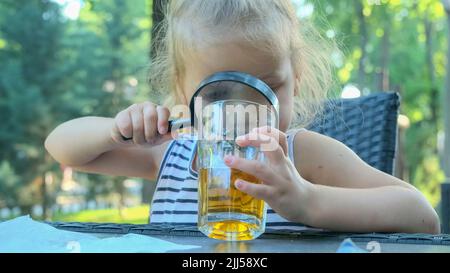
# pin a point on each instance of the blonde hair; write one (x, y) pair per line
(270, 25)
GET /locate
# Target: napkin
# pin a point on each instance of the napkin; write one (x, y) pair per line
(23, 234)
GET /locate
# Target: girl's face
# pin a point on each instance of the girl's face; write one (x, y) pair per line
(275, 72)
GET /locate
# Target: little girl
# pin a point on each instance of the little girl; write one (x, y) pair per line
(309, 180)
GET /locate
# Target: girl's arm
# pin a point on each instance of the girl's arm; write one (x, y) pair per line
(94, 144)
(79, 141)
(349, 195)
(382, 209)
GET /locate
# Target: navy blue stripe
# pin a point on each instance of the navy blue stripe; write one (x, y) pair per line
(179, 155)
(174, 212)
(176, 166)
(271, 211)
(183, 146)
(176, 178)
(176, 190)
(192, 201)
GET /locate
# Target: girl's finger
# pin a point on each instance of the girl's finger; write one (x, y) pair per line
(268, 145)
(163, 138)
(259, 191)
(252, 167)
(117, 136)
(276, 134)
(124, 124)
(163, 119)
(138, 125)
(150, 122)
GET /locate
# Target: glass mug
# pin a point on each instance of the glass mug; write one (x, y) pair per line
(226, 213)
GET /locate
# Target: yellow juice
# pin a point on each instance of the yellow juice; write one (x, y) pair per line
(226, 213)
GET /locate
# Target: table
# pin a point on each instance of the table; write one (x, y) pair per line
(297, 245)
(273, 241)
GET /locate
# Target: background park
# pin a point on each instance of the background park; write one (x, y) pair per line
(62, 59)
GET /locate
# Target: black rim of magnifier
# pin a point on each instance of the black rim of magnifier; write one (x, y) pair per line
(231, 76)
(240, 77)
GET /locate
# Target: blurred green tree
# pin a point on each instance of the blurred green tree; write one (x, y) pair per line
(55, 69)
(33, 74)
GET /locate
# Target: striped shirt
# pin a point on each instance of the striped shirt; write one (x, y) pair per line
(176, 197)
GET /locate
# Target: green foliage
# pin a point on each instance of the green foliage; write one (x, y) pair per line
(31, 73)
(9, 184)
(55, 69)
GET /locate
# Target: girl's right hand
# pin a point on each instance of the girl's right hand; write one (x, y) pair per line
(142, 124)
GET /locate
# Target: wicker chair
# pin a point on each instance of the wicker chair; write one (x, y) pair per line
(368, 125)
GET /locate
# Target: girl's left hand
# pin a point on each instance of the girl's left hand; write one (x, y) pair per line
(282, 187)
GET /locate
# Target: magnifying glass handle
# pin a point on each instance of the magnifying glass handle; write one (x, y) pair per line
(174, 124)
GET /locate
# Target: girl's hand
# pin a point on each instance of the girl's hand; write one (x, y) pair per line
(140, 124)
(282, 186)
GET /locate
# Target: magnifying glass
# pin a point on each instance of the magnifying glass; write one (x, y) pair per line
(227, 86)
